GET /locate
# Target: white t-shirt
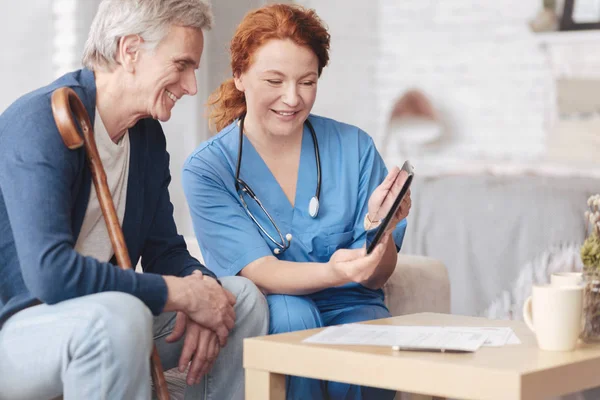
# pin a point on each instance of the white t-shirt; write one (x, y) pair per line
(93, 238)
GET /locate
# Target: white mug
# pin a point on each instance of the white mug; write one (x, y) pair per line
(566, 279)
(554, 314)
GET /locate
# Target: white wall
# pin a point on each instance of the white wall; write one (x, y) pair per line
(479, 64)
(484, 71)
(347, 90)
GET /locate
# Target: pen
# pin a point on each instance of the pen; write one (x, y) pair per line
(440, 350)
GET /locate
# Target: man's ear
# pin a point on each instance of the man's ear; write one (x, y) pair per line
(239, 85)
(129, 50)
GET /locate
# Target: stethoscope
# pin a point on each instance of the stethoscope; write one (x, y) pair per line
(313, 205)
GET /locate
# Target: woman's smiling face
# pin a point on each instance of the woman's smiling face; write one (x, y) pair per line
(280, 87)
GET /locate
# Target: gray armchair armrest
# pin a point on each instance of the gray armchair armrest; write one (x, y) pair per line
(418, 284)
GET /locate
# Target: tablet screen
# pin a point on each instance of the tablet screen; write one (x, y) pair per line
(390, 204)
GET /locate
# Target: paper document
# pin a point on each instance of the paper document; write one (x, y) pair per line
(513, 339)
(496, 336)
(434, 338)
(405, 337)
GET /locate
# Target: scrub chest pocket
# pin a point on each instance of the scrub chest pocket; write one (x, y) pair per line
(338, 240)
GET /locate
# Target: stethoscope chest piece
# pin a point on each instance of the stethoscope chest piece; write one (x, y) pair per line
(313, 207)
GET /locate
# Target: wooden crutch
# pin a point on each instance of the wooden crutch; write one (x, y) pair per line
(65, 104)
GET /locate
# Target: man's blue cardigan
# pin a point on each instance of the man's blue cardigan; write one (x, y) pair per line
(44, 193)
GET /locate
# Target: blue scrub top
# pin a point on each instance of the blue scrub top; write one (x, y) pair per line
(351, 169)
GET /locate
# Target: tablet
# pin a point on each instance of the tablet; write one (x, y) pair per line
(406, 175)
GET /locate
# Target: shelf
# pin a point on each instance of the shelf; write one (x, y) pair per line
(567, 37)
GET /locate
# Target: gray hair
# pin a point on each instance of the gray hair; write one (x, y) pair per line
(151, 19)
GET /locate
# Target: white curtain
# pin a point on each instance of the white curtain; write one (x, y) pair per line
(26, 32)
(64, 42)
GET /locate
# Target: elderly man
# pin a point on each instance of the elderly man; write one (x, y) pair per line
(73, 323)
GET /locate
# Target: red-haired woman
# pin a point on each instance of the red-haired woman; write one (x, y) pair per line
(284, 197)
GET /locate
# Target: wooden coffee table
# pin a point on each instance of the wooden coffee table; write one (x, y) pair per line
(503, 373)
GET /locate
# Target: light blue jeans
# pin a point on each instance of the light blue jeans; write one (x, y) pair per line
(98, 347)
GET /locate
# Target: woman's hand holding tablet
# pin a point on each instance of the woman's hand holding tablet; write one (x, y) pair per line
(389, 204)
